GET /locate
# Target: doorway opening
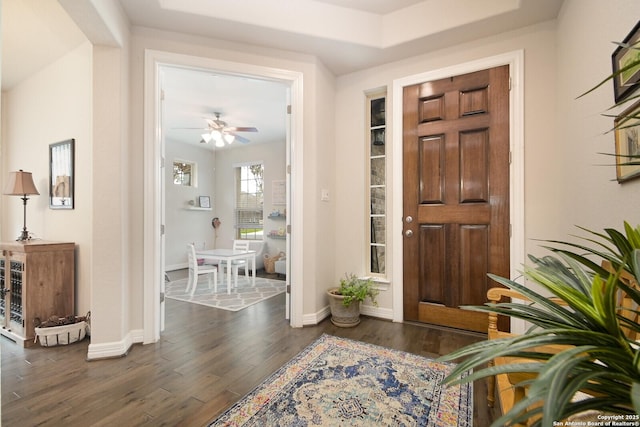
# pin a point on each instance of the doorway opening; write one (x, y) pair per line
(231, 132)
(155, 162)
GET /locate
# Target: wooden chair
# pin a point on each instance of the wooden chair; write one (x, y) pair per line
(627, 307)
(196, 270)
(508, 392)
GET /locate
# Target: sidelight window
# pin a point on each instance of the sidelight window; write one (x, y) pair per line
(377, 183)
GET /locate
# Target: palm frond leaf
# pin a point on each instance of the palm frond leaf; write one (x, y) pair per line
(577, 342)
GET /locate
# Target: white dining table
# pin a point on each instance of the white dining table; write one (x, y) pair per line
(230, 255)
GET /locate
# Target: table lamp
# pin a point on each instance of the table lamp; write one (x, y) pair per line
(20, 183)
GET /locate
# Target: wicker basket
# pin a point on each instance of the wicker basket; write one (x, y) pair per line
(270, 262)
(61, 335)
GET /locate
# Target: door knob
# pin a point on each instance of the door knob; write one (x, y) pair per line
(408, 233)
(409, 219)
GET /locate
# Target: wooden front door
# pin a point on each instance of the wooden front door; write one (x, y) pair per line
(456, 195)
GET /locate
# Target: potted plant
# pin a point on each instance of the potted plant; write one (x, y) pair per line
(600, 359)
(345, 300)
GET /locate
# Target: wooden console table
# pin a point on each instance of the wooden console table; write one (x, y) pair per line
(37, 280)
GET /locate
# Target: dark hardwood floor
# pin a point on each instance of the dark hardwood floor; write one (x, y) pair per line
(206, 360)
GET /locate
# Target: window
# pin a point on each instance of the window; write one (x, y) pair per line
(249, 201)
(184, 173)
(376, 206)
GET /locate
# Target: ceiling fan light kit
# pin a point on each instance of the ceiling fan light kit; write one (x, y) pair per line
(218, 137)
(219, 132)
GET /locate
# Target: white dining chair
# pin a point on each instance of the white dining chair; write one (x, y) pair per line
(239, 245)
(196, 270)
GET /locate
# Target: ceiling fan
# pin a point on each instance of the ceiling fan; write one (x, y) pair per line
(219, 132)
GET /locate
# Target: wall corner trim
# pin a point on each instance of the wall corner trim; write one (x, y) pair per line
(114, 349)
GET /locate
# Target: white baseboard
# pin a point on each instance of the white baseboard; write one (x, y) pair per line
(315, 318)
(137, 336)
(114, 349)
(176, 267)
(382, 313)
(367, 310)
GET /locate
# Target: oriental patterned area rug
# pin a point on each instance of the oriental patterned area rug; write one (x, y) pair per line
(241, 297)
(340, 382)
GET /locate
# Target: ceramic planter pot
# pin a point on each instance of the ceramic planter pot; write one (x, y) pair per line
(344, 317)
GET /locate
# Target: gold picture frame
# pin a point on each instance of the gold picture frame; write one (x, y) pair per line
(627, 136)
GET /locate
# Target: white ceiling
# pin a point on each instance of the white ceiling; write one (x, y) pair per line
(192, 96)
(345, 35)
(35, 33)
(380, 7)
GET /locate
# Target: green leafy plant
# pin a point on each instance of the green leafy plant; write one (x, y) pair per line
(599, 360)
(353, 288)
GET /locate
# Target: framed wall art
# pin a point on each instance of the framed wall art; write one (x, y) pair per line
(626, 75)
(61, 179)
(627, 135)
(204, 201)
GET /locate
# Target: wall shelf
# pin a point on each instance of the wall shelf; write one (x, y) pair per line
(195, 208)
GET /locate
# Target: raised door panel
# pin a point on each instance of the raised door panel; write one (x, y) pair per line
(455, 189)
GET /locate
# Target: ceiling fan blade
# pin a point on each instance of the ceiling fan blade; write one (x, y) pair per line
(240, 138)
(190, 129)
(241, 129)
(215, 124)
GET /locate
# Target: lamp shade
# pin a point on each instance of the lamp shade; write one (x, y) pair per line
(20, 183)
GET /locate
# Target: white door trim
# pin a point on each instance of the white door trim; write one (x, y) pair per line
(515, 60)
(152, 274)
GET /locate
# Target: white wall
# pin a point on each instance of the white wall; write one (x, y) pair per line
(273, 156)
(114, 318)
(50, 106)
(184, 226)
(589, 194)
(324, 162)
(216, 178)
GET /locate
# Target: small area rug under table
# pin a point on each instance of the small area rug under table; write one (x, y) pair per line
(241, 297)
(341, 382)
